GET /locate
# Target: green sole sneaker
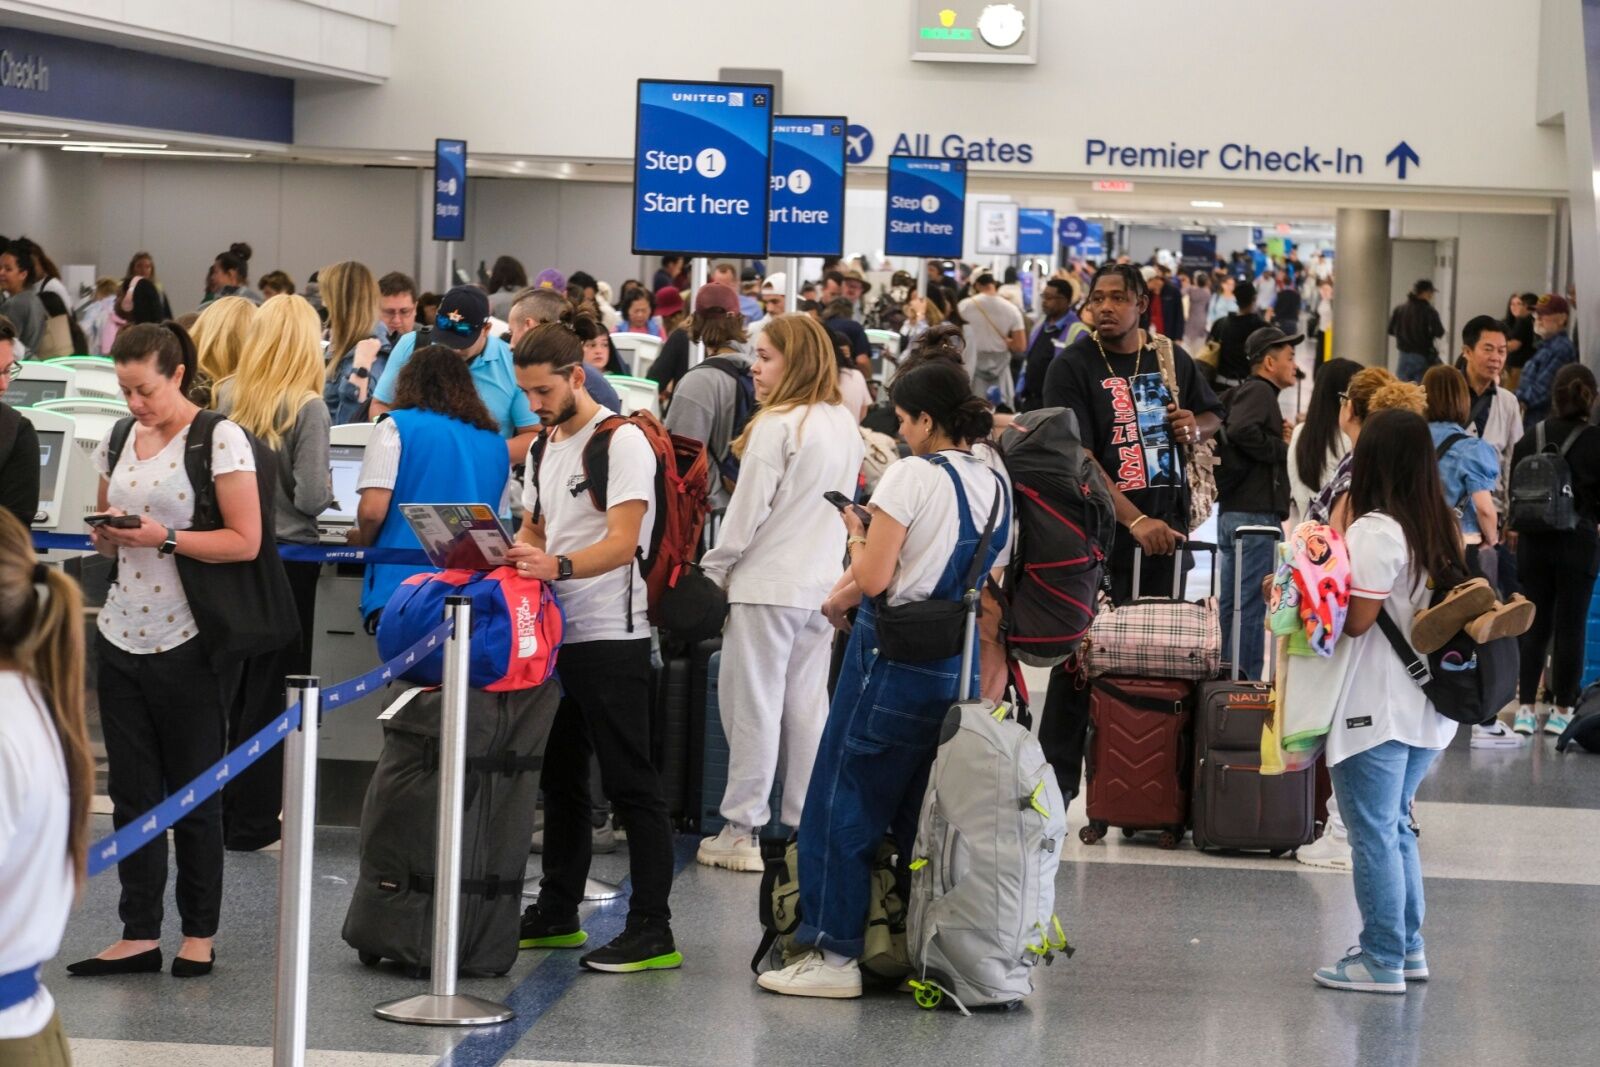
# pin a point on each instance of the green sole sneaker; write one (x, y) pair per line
(573, 940)
(670, 961)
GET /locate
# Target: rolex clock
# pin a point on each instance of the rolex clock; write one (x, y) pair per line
(979, 31)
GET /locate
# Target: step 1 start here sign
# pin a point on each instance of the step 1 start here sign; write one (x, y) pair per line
(927, 207)
(700, 173)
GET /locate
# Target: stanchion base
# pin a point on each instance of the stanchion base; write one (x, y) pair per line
(595, 889)
(430, 1009)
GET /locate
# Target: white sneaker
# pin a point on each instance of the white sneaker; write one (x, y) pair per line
(1494, 735)
(810, 976)
(1330, 852)
(1527, 721)
(1559, 720)
(731, 850)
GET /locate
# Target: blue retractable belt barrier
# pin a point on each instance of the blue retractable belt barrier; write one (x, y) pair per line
(109, 851)
(290, 553)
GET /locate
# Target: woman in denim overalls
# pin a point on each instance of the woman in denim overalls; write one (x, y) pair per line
(883, 726)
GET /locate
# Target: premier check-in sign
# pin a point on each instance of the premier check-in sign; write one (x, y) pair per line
(700, 168)
(927, 202)
(807, 213)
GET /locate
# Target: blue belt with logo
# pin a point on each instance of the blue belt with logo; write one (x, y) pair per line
(19, 986)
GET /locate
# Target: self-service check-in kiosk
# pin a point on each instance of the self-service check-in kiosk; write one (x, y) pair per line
(94, 375)
(638, 351)
(37, 382)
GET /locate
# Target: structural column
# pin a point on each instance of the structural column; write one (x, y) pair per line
(1361, 292)
(1583, 155)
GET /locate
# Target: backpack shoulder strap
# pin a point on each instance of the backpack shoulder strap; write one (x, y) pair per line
(1538, 437)
(1447, 444)
(197, 465)
(597, 457)
(1572, 439)
(1414, 664)
(535, 458)
(118, 441)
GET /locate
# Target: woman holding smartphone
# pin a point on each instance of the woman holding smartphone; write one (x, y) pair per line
(778, 553)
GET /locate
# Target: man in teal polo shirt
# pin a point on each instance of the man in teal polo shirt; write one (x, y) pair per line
(462, 324)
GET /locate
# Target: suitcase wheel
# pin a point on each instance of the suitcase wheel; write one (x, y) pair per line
(1170, 839)
(1278, 853)
(369, 959)
(1128, 833)
(928, 996)
(1092, 833)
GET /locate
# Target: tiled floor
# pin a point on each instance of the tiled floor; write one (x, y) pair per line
(1183, 959)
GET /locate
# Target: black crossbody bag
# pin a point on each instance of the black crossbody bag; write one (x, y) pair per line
(927, 630)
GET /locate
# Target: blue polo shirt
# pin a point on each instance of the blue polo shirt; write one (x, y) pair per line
(492, 372)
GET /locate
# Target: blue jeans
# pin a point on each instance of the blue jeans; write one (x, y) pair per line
(1375, 790)
(1413, 365)
(1260, 560)
(870, 775)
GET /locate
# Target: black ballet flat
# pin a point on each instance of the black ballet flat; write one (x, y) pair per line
(182, 968)
(147, 962)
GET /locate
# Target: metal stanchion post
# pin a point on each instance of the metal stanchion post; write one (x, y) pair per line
(294, 874)
(442, 1005)
(791, 291)
(698, 275)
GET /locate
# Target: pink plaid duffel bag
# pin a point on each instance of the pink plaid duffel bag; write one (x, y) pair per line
(1157, 636)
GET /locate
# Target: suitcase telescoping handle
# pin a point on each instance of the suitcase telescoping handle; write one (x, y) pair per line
(1177, 565)
(1239, 537)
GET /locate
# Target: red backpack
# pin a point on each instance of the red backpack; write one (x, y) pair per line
(682, 494)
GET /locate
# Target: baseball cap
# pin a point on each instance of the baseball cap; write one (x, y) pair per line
(776, 285)
(715, 295)
(1260, 342)
(550, 278)
(463, 313)
(668, 301)
(582, 279)
(1552, 304)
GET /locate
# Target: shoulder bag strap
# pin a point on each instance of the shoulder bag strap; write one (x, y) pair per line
(1414, 664)
(1572, 439)
(1448, 443)
(197, 465)
(977, 302)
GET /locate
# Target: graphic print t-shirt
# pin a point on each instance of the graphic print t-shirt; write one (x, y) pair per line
(1122, 418)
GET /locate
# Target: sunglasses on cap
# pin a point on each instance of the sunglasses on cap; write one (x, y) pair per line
(461, 326)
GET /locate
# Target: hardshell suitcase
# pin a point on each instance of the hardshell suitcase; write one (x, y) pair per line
(1138, 763)
(714, 766)
(1234, 805)
(391, 909)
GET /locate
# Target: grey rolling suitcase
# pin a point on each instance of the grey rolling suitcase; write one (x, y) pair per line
(1234, 805)
(391, 910)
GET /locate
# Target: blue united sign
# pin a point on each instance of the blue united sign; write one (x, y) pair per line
(700, 168)
(449, 190)
(927, 202)
(1036, 231)
(807, 213)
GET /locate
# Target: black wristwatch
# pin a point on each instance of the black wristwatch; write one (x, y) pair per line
(170, 545)
(563, 568)
(361, 372)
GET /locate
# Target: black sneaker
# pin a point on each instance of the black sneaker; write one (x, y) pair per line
(543, 931)
(643, 946)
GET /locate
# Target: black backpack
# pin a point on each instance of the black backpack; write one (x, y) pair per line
(1584, 730)
(744, 406)
(1065, 524)
(1541, 487)
(1465, 681)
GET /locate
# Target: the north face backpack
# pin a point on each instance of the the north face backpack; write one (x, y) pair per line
(517, 627)
(1065, 526)
(682, 487)
(744, 406)
(983, 876)
(1541, 487)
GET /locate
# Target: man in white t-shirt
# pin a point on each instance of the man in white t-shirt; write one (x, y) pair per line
(583, 532)
(996, 336)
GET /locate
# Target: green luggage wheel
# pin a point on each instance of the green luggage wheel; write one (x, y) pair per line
(927, 996)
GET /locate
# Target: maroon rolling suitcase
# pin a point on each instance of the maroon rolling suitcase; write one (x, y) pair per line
(1138, 757)
(1235, 806)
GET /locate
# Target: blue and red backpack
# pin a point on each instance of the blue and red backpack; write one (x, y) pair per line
(517, 627)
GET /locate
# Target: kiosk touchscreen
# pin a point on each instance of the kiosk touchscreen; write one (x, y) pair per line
(347, 447)
(38, 382)
(57, 463)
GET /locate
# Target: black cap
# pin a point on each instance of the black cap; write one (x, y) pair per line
(463, 306)
(1259, 343)
(1423, 286)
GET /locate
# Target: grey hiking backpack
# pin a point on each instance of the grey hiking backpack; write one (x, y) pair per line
(983, 873)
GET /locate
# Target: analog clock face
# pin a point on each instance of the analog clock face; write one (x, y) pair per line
(1001, 25)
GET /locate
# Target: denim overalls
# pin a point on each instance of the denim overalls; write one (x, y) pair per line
(876, 751)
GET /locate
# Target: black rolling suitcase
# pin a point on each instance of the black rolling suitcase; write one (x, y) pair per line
(391, 910)
(669, 732)
(1234, 805)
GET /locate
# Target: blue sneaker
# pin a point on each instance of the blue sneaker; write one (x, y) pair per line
(1416, 967)
(1359, 974)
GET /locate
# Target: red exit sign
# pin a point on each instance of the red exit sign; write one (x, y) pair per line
(1113, 186)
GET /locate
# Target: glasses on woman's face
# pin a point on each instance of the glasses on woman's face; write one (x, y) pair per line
(1344, 398)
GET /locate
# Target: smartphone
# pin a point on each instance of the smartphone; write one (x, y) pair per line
(116, 522)
(840, 501)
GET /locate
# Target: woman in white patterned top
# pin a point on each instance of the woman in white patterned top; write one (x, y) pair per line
(161, 697)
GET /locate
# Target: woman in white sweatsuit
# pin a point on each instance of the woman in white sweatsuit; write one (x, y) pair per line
(780, 550)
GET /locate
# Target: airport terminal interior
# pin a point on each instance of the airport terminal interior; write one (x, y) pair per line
(877, 165)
